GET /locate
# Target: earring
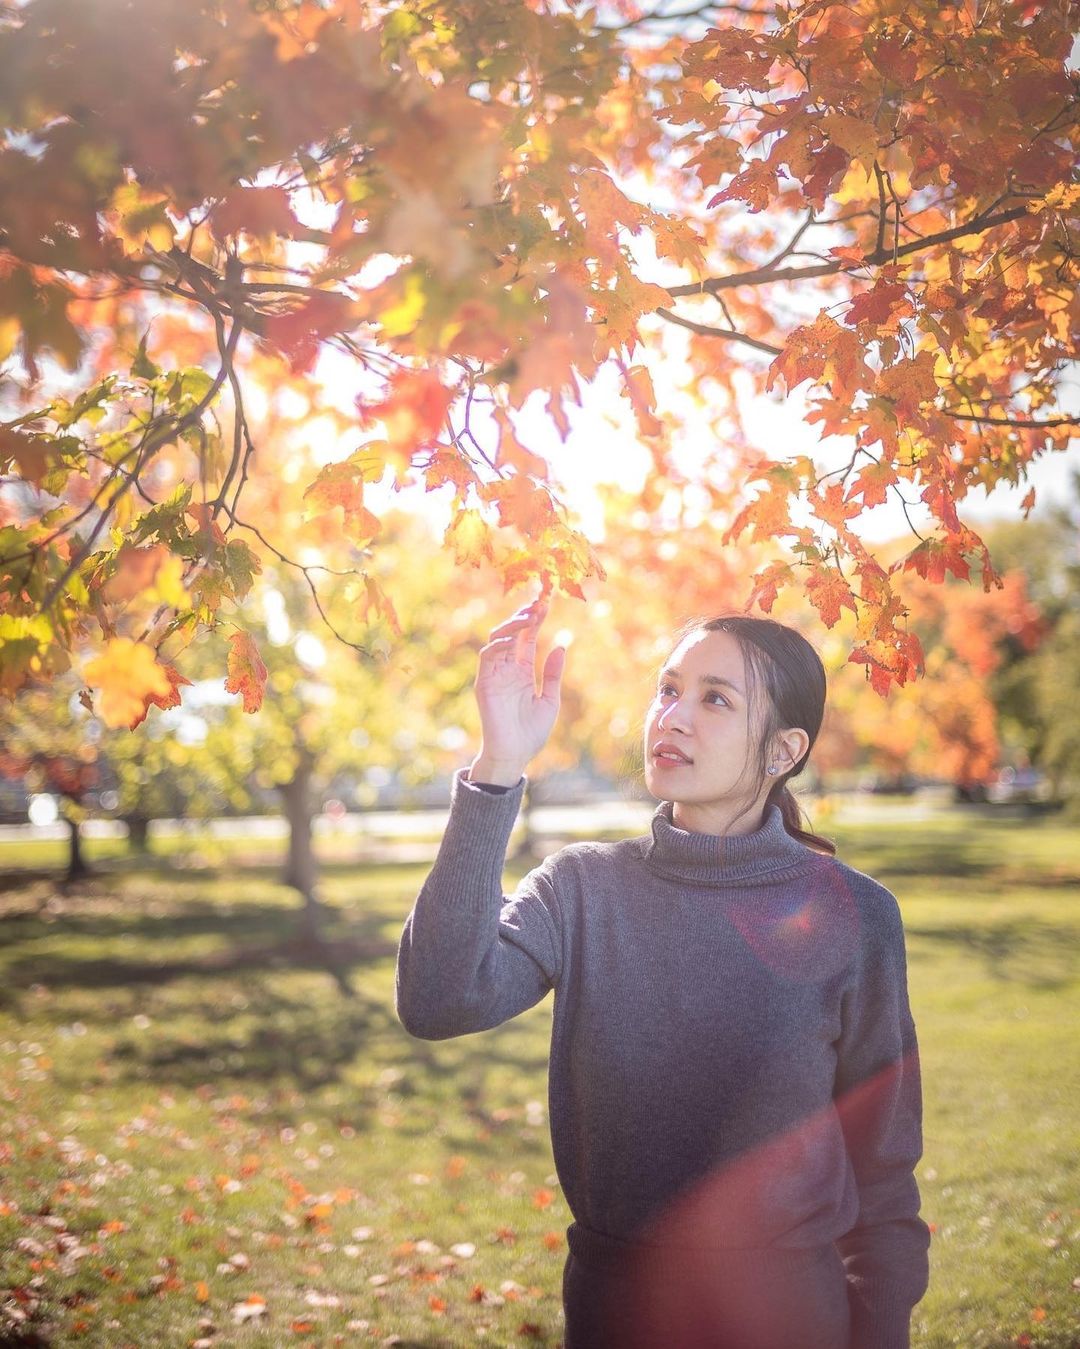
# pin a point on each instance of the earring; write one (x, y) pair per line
(771, 769)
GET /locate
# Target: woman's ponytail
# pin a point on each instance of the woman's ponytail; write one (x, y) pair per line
(782, 797)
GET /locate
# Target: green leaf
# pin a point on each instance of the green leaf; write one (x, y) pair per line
(241, 566)
(64, 413)
(142, 367)
(163, 520)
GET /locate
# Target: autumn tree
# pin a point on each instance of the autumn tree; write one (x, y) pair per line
(946, 727)
(1035, 689)
(443, 209)
(45, 744)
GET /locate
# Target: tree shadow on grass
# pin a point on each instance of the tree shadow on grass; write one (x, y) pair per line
(1036, 954)
(336, 955)
(310, 1045)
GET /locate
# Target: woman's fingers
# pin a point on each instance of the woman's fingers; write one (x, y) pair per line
(553, 672)
(499, 646)
(530, 616)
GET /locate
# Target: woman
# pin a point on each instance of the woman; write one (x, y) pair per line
(734, 1082)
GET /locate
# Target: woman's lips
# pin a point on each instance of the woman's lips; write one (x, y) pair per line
(667, 756)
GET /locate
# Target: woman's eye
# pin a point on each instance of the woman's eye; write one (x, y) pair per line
(720, 696)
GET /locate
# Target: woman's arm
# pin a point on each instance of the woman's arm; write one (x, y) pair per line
(878, 1096)
(469, 959)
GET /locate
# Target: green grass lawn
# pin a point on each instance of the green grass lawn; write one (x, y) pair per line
(203, 1142)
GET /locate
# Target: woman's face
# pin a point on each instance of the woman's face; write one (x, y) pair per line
(700, 741)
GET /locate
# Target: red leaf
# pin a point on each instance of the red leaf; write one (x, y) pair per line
(301, 332)
(258, 210)
(884, 305)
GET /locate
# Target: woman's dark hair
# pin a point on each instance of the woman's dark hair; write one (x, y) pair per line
(787, 682)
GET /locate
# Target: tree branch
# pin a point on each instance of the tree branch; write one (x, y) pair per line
(699, 12)
(1012, 421)
(729, 334)
(761, 275)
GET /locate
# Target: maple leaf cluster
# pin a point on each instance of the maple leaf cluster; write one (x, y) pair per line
(203, 203)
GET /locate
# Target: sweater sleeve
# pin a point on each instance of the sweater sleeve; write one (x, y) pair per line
(470, 958)
(878, 1095)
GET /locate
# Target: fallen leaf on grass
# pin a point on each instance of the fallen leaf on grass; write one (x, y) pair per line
(553, 1240)
(249, 1309)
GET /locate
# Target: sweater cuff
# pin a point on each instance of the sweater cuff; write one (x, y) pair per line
(880, 1315)
(473, 849)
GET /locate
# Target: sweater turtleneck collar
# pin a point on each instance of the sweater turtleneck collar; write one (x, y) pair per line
(711, 859)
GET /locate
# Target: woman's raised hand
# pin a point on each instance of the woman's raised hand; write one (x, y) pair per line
(515, 720)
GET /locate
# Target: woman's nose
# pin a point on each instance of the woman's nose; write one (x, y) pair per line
(673, 717)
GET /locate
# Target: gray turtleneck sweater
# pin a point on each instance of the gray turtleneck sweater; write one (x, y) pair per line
(733, 1058)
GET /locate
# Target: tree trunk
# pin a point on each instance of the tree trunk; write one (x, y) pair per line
(301, 868)
(301, 871)
(77, 867)
(138, 827)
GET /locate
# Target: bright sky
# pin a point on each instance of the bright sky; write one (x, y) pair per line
(603, 446)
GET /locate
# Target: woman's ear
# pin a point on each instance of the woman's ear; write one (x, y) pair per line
(791, 746)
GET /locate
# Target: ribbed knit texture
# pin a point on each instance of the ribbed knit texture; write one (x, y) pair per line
(733, 1059)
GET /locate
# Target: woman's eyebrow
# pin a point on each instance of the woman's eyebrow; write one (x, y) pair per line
(672, 672)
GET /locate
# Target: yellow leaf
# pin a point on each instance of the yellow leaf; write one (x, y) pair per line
(469, 535)
(855, 137)
(168, 585)
(126, 675)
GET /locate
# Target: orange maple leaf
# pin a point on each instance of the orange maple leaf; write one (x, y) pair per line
(873, 482)
(202, 512)
(164, 701)
(736, 59)
(639, 388)
(247, 673)
(909, 383)
(756, 185)
(829, 593)
(126, 675)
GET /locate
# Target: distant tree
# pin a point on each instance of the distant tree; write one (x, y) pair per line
(1036, 691)
(48, 742)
